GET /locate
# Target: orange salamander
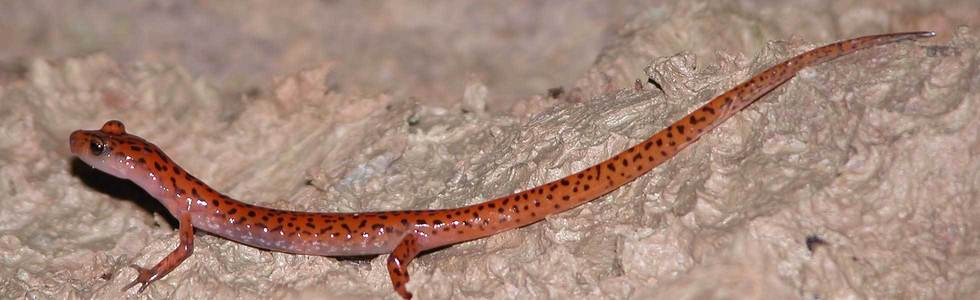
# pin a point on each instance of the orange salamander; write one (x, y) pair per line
(403, 234)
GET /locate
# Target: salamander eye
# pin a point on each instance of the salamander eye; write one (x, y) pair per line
(97, 147)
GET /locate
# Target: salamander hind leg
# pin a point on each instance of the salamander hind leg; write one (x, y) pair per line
(171, 261)
(398, 262)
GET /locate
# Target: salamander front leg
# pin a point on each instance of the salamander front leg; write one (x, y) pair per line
(169, 263)
(398, 261)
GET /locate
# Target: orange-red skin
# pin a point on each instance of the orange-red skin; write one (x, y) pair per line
(406, 233)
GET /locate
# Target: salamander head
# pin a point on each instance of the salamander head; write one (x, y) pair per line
(111, 149)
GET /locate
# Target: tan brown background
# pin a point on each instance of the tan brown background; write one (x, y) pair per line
(351, 106)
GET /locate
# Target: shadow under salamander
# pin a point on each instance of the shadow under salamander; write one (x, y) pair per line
(120, 189)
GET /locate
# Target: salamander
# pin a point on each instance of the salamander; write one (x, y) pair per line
(403, 234)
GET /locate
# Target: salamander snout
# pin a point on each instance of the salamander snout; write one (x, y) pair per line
(95, 142)
(100, 148)
(83, 143)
